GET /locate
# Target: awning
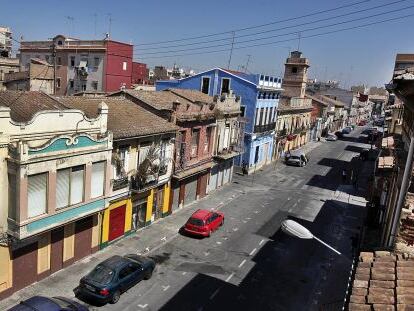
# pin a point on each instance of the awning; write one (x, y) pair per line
(385, 162)
(193, 171)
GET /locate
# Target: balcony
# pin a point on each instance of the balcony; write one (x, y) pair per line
(265, 128)
(119, 183)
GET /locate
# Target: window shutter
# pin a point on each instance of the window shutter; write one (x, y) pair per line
(97, 179)
(37, 191)
(143, 152)
(62, 188)
(76, 185)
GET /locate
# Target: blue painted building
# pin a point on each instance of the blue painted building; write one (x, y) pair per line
(259, 101)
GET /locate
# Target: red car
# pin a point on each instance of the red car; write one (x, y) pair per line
(204, 222)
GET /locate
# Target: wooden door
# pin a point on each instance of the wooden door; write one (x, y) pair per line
(83, 237)
(116, 222)
(24, 266)
(56, 250)
(181, 194)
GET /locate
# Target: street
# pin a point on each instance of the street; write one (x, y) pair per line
(248, 264)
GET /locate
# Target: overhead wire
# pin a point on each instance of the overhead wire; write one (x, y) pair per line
(286, 40)
(258, 26)
(279, 35)
(274, 30)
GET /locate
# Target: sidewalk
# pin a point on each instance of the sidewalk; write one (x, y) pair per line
(144, 241)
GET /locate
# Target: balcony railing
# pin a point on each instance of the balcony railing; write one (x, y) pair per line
(264, 128)
(119, 183)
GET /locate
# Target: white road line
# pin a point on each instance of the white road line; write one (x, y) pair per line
(252, 252)
(229, 277)
(262, 241)
(214, 294)
(184, 273)
(147, 249)
(218, 242)
(164, 239)
(235, 229)
(242, 263)
(164, 288)
(206, 253)
(244, 221)
(143, 306)
(248, 218)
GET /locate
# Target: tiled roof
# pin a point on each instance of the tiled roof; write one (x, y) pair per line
(325, 100)
(125, 118)
(24, 105)
(161, 100)
(383, 281)
(192, 95)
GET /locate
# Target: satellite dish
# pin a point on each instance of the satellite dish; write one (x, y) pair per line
(295, 229)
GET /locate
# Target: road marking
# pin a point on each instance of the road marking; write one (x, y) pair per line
(206, 253)
(252, 252)
(229, 277)
(143, 306)
(218, 242)
(235, 229)
(184, 273)
(147, 249)
(262, 241)
(164, 239)
(248, 218)
(242, 263)
(256, 212)
(244, 221)
(214, 294)
(164, 288)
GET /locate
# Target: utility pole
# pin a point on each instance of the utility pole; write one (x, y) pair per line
(247, 63)
(110, 24)
(231, 50)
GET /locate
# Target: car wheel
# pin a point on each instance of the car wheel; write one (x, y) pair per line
(115, 297)
(148, 275)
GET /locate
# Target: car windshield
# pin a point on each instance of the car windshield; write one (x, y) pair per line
(195, 221)
(101, 274)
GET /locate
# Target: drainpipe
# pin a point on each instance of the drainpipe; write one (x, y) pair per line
(401, 196)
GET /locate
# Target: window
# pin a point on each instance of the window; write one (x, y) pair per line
(96, 61)
(97, 179)
(36, 195)
(58, 82)
(69, 186)
(71, 84)
(242, 111)
(95, 85)
(72, 61)
(261, 116)
(265, 116)
(60, 42)
(59, 60)
(257, 117)
(205, 86)
(124, 65)
(83, 87)
(207, 147)
(225, 85)
(195, 137)
(270, 120)
(294, 69)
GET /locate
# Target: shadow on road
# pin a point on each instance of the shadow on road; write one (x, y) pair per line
(287, 273)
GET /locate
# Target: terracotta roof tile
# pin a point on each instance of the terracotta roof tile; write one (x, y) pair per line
(159, 100)
(125, 118)
(24, 105)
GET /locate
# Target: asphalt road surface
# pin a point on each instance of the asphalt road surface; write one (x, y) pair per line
(249, 264)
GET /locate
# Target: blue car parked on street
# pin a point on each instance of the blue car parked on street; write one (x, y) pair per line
(49, 304)
(114, 276)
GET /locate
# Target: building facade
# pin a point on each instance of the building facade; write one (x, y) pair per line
(5, 42)
(82, 65)
(259, 101)
(7, 65)
(140, 73)
(38, 77)
(142, 165)
(293, 123)
(55, 163)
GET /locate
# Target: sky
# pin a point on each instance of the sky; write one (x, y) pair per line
(363, 55)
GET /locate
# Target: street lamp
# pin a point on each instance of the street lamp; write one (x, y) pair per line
(295, 229)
